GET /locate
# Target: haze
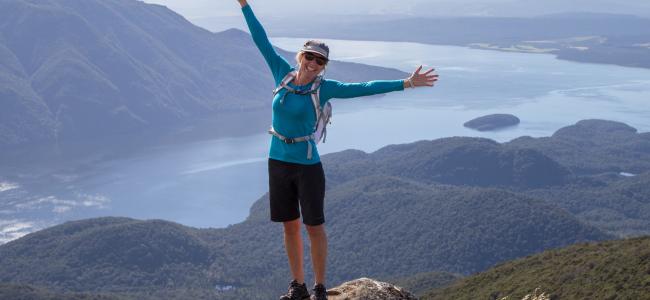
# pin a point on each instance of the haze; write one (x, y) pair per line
(197, 9)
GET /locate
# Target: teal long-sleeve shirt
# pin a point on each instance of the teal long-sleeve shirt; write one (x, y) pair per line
(294, 117)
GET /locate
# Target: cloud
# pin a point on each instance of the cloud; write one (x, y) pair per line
(14, 229)
(11, 229)
(97, 201)
(7, 186)
(58, 205)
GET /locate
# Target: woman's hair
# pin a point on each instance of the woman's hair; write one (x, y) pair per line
(311, 43)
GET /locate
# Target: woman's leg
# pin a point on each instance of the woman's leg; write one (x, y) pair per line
(318, 239)
(293, 246)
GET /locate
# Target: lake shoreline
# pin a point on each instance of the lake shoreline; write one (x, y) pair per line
(484, 46)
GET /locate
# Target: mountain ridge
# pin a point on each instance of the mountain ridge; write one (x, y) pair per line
(592, 38)
(73, 70)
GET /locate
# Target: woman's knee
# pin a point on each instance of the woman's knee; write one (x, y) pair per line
(292, 227)
(315, 230)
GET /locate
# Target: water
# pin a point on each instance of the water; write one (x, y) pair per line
(212, 183)
(545, 93)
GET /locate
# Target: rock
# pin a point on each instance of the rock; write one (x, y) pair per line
(492, 122)
(368, 289)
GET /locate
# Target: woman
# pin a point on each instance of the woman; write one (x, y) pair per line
(296, 180)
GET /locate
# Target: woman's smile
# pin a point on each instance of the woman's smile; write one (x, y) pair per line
(311, 68)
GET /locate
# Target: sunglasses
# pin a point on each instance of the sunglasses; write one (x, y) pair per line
(319, 60)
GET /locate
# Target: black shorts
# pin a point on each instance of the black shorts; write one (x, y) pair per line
(296, 189)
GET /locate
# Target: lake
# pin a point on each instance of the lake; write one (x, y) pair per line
(212, 183)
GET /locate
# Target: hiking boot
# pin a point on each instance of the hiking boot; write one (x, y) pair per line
(320, 292)
(296, 291)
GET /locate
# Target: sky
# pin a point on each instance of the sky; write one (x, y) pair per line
(197, 9)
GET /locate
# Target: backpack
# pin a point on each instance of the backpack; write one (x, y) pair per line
(323, 114)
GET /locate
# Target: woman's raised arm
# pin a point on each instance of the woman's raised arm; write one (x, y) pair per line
(278, 65)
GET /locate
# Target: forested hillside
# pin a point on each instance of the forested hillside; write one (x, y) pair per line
(399, 211)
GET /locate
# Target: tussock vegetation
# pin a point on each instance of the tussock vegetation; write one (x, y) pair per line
(607, 270)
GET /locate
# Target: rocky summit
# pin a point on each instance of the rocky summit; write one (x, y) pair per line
(368, 289)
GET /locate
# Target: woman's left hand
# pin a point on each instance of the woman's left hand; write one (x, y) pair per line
(421, 79)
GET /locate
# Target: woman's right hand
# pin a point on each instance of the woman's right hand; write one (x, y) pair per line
(242, 2)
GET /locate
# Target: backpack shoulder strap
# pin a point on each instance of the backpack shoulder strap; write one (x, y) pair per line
(285, 81)
(317, 81)
(315, 99)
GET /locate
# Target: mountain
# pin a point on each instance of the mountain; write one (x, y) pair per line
(466, 30)
(617, 204)
(346, 10)
(585, 37)
(393, 213)
(119, 257)
(609, 270)
(72, 70)
(436, 227)
(611, 164)
(595, 169)
(433, 227)
(594, 146)
(135, 248)
(456, 160)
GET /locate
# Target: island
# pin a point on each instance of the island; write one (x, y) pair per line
(492, 122)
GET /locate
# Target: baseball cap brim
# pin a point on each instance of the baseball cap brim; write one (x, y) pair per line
(316, 50)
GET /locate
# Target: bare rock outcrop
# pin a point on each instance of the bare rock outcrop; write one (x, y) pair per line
(368, 289)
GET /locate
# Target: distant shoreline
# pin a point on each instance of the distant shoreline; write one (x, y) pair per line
(557, 53)
(560, 54)
(591, 38)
